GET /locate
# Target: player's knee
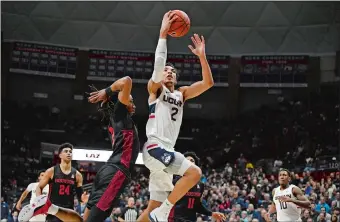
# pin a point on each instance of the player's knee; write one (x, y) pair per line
(198, 173)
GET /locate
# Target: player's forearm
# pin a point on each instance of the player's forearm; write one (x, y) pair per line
(266, 215)
(79, 192)
(23, 197)
(207, 77)
(302, 203)
(120, 84)
(163, 34)
(203, 210)
(271, 209)
(160, 60)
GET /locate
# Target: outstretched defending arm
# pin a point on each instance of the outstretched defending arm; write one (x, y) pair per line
(161, 53)
(207, 81)
(123, 85)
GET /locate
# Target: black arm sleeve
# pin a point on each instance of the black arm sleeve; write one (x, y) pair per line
(79, 192)
(200, 207)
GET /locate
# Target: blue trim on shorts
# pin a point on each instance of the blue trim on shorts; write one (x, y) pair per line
(162, 155)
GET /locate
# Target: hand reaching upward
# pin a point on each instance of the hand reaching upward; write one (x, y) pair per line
(199, 44)
(168, 18)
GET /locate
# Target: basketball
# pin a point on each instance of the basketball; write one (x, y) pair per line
(181, 25)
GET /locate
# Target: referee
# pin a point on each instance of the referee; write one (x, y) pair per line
(129, 213)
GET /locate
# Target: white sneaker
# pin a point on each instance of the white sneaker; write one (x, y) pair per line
(158, 216)
(39, 206)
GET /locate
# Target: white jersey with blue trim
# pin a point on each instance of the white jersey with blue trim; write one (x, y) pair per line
(286, 211)
(165, 117)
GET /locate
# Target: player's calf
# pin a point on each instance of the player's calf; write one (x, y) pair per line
(189, 179)
(144, 217)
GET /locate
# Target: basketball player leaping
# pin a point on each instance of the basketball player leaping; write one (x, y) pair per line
(63, 181)
(112, 178)
(162, 129)
(32, 188)
(288, 200)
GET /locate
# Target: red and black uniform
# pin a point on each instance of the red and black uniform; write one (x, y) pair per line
(62, 189)
(113, 177)
(186, 208)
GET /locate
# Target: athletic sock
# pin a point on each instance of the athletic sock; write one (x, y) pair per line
(166, 206)
(53, 209)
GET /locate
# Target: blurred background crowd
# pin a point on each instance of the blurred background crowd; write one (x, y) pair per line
(240, 167)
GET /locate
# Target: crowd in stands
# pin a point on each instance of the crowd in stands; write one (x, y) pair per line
(290, 130)
(297, 134)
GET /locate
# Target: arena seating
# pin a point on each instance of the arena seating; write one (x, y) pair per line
(300, 135)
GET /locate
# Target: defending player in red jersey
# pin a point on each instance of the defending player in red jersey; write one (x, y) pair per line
(187, 207)
(111, 179)
(115, 175)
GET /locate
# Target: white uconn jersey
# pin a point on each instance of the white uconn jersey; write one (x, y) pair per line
(286, 211)
(165, 117)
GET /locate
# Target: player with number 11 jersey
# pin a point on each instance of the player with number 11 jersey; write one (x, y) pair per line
(186, 208)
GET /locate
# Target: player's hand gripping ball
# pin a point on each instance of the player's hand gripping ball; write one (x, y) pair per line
(180, 26)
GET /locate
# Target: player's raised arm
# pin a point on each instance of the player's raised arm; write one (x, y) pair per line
(45, 180)
(161, 54)
(123, 85)
(207, 81)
